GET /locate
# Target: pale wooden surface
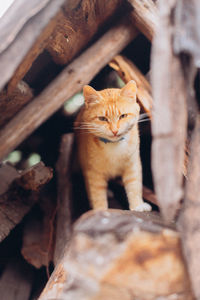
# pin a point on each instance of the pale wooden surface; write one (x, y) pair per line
(120, 255)
(70, 81)
(169, 122)
(25, 38)
(145, 14)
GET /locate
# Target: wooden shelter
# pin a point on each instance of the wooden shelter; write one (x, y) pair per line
(52, 246)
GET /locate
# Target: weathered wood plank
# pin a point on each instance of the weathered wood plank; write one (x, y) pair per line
(64, 196)
(128, 71)
(120, 255)
(70, 81)
(145, 14)
(169, 122)
(25, 38)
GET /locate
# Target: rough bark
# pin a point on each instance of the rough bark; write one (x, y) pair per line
(11, 103)
(128, 71)
(145, 14)
(78, 22)
(17, 199)
(64, 196)
(169, 120)
(120, 255)
(70, 81)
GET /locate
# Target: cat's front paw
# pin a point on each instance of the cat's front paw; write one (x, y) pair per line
(142, 207)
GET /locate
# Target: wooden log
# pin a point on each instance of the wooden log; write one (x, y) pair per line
(69, 82)
(16, 281)
(38, 235)
(78, 22)
(128, 71)
(11, 103)
(145, 14)
(188, 223)
(22, 34)
(64, 196)
(35, 177)
(120, 255)
(169, 122)
(16, 199)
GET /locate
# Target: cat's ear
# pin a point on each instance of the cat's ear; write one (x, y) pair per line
(129, 90)
(91, 95)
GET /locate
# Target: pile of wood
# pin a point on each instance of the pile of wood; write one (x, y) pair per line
(51, 247)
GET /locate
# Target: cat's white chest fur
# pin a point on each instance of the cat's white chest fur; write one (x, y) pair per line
(117, 155)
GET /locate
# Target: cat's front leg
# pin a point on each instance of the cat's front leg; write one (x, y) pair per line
(96, 187)
(132, 180)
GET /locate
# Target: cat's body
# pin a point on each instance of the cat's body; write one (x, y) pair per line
(108, 144)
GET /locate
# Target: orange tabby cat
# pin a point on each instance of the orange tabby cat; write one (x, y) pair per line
(108, 144)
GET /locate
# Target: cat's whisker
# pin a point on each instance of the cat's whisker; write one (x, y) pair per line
(144, 120)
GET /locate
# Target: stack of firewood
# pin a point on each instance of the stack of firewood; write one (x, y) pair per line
(51, 247)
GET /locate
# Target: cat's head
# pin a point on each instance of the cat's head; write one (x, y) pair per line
(110, 113)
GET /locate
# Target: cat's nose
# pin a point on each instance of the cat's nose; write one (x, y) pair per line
(115, 132)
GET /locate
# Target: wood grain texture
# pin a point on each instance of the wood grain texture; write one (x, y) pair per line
(11, 103)
(78, 22)
(188, 223)
(64, 196)
(25, 38)
(67, 33)
(169, 122)
(120, 255)
(70, 81)
(128, 71)
(145, 14)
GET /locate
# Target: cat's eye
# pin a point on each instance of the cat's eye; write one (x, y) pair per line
(123, 116)
(103, 119)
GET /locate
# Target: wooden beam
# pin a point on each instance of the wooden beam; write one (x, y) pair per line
(128, 71)
(77, 24)
(70, 81)
(21, 40)
(117, 255)
(64, 196)
(169, 121)
(145, 14)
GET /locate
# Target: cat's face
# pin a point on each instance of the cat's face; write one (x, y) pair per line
(110, 113)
